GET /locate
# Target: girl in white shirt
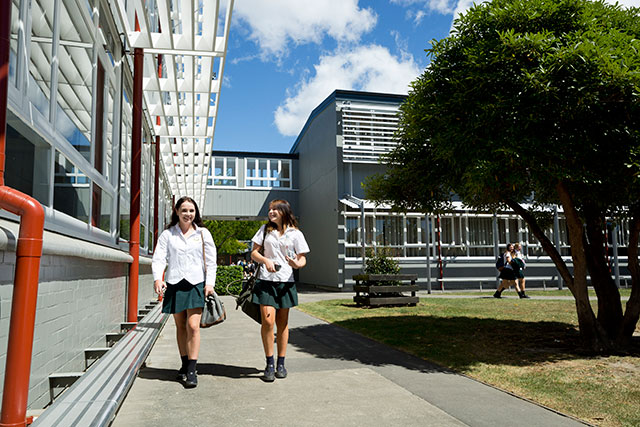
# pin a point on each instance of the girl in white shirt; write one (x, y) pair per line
(180, 249)
(283, 248)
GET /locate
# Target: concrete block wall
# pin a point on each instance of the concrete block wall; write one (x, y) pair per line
(79, 301)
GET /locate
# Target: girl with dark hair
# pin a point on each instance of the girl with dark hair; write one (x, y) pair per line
(280, 247)
(183, 248)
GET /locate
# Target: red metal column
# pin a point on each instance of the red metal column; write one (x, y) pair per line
(156, 215)
(134, 212)
(29, 250)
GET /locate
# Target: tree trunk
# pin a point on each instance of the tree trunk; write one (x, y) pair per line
(609, 304)
(547, 245)
(593, 335)
(632, 310)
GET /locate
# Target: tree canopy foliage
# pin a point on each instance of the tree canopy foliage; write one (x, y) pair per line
(228, 235)
(526, 104)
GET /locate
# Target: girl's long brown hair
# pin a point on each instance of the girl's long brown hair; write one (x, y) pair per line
(288, 219)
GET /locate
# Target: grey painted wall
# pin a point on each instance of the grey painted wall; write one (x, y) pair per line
(79, 301)
(318, 186)
(232, 203)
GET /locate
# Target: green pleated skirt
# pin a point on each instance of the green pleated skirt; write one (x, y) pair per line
(182, 296)
(275, 294)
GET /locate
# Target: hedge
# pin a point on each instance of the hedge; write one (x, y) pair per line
(228, 274)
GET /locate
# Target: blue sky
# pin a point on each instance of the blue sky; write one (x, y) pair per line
(286, 56)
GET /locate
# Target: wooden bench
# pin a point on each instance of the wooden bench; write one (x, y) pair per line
(95, 397)
(372, 295)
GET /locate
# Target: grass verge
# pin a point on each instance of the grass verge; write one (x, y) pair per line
(526, 347)
(624, 292)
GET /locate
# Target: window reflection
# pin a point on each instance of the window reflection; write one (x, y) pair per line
(40, 51)
(75, 74)
(71, 189)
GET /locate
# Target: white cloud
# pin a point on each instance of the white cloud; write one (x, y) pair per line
(369, 68)
(625, 3)
(275, 24)
(445, 7)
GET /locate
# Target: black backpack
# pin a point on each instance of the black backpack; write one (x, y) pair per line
(500, 262)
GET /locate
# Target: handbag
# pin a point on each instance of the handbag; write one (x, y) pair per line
(243, 300)
(213, 313)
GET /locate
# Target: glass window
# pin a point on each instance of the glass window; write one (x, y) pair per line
(75, 75)
(412, 230)
(71, 189)
(102, 205)
(40, 60)
(15, 25)
(223, 173)
(268, 173)
(352, 229)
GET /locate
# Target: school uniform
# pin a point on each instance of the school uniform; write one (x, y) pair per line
(278, 288)
(184, 262)
(507, 272)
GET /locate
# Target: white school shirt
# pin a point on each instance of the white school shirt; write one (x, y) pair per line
(275, 248)
(183, 257)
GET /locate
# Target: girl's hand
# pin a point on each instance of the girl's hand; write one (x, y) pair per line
(293, 262)
(269, 265)
(159, 287)
(208, 290)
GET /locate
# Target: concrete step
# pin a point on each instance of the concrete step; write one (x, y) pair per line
(113, 337)
(93, 354)
(127, 326)
(60, 381)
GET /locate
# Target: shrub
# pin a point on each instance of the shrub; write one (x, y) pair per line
(381, 263)
(228, 274)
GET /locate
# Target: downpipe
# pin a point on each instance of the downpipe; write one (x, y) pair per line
(23, 306)
(15, 393)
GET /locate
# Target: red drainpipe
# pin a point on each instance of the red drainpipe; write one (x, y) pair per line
(134, 211)
(29, 250)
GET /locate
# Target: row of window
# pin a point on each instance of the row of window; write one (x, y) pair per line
(455, 235)
(258, 173)
(75, 154)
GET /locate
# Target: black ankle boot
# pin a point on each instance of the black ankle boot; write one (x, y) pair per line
(497, 294)
(523, 295)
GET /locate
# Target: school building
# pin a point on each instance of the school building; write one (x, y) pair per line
(110, 110)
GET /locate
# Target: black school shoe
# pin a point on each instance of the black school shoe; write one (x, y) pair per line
(181, 376)
(191, 380)
(269, 374)
(281, 372)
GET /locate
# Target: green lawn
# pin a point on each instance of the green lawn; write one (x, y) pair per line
(624, 292)
(527, 347)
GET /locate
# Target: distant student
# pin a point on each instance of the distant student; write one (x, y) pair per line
(507, 273)
(518, 259)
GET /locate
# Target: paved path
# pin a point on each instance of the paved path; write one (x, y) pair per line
(336, 378)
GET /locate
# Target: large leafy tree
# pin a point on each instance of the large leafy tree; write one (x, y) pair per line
(529, 103)
(228, 235)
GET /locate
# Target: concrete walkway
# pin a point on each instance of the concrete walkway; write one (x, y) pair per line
(336, 378)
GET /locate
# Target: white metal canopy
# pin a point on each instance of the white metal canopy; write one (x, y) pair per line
(191, 38)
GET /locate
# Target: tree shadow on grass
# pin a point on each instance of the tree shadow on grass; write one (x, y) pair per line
(455, 342)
